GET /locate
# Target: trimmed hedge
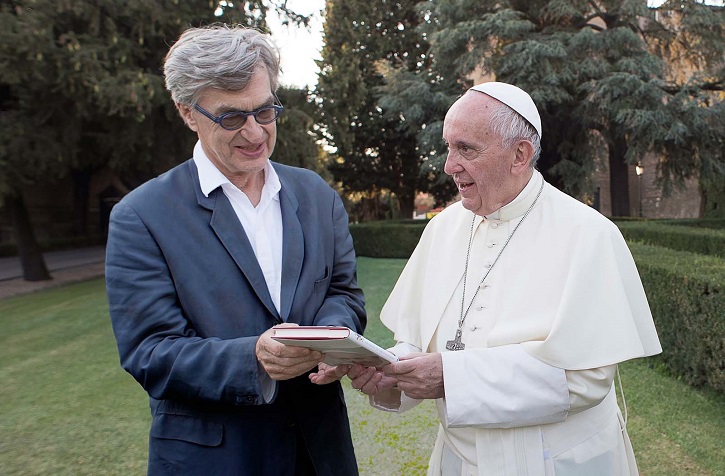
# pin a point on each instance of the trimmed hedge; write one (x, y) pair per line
(714, 223)
(387, 239)
(686, 292)
(691, 238)
(397, 239)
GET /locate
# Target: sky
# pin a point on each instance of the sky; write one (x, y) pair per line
(299, 47)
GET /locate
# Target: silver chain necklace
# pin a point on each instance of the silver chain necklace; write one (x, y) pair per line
(456, 343)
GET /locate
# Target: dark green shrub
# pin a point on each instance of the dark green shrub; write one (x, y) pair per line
(8, 249)
(686, 292)
(387, 239)
(714, 223)
(684, 238)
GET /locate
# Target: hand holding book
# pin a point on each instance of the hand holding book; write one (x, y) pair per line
(340, 345)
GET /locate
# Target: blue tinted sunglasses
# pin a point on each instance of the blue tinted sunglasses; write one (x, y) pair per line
(234, 120)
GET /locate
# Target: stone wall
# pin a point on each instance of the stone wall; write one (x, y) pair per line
(654, 204)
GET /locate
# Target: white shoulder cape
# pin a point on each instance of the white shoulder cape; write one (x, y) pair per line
(566, 287)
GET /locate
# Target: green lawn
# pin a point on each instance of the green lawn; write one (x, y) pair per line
(66, 407)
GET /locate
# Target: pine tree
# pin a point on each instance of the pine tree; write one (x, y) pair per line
(366, 43)
(601, 74)
(297, 136)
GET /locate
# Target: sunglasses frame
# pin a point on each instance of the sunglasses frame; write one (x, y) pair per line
(278, 109)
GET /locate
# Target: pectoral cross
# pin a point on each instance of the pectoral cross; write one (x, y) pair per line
(456, 343)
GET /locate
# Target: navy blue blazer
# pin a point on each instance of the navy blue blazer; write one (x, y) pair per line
(188, 301)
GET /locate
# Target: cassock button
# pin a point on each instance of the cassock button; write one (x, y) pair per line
(480, 307)
(487, 265)
(494, 225)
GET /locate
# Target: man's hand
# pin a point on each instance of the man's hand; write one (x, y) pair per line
(328, 373)
(419, 375)
(283, 362)
(369, 380)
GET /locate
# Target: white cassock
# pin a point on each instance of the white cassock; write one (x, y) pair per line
(532, 393)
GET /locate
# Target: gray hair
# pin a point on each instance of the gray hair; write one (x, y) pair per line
(218, 56)
(511, 127)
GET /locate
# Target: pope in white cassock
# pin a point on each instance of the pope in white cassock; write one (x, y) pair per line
(513, 311)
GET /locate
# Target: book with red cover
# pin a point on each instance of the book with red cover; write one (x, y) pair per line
(340, 345)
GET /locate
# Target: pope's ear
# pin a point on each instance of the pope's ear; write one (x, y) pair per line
(185, 112)
(523, 155)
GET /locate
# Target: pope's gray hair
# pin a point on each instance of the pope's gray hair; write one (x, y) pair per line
(512, 127)
(218, 56)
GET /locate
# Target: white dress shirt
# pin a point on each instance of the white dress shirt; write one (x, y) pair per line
(262, 224)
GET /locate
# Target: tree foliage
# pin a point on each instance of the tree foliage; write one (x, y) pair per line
(81, 88)
(611, 78)
(297, 136)
(366, 44)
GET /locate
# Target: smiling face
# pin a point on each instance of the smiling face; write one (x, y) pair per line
(488, 175)
(240, 155)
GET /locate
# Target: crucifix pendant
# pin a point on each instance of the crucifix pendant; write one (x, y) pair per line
(456, 343)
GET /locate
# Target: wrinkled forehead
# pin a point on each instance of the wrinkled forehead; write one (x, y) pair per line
(474, 104)
(473, 110)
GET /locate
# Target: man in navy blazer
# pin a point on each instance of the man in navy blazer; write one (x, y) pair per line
(205, 259)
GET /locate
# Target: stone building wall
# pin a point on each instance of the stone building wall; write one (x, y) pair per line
(654, 204)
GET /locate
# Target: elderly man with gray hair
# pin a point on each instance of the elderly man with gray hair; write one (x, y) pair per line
(513, 311)
(204, 260)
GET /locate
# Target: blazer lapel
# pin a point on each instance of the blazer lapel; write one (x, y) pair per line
(293, 248)
(230, 232)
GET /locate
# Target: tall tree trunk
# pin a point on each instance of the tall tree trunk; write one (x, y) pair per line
(31, 257)
(81, 193)
(409, 178)
(406, 201)
(369, 209)
(703, 200)
(618, 178)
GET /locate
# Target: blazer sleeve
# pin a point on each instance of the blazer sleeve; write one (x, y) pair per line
(156, 344)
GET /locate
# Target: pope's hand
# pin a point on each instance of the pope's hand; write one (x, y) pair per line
(419, 375)
(283, 362)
